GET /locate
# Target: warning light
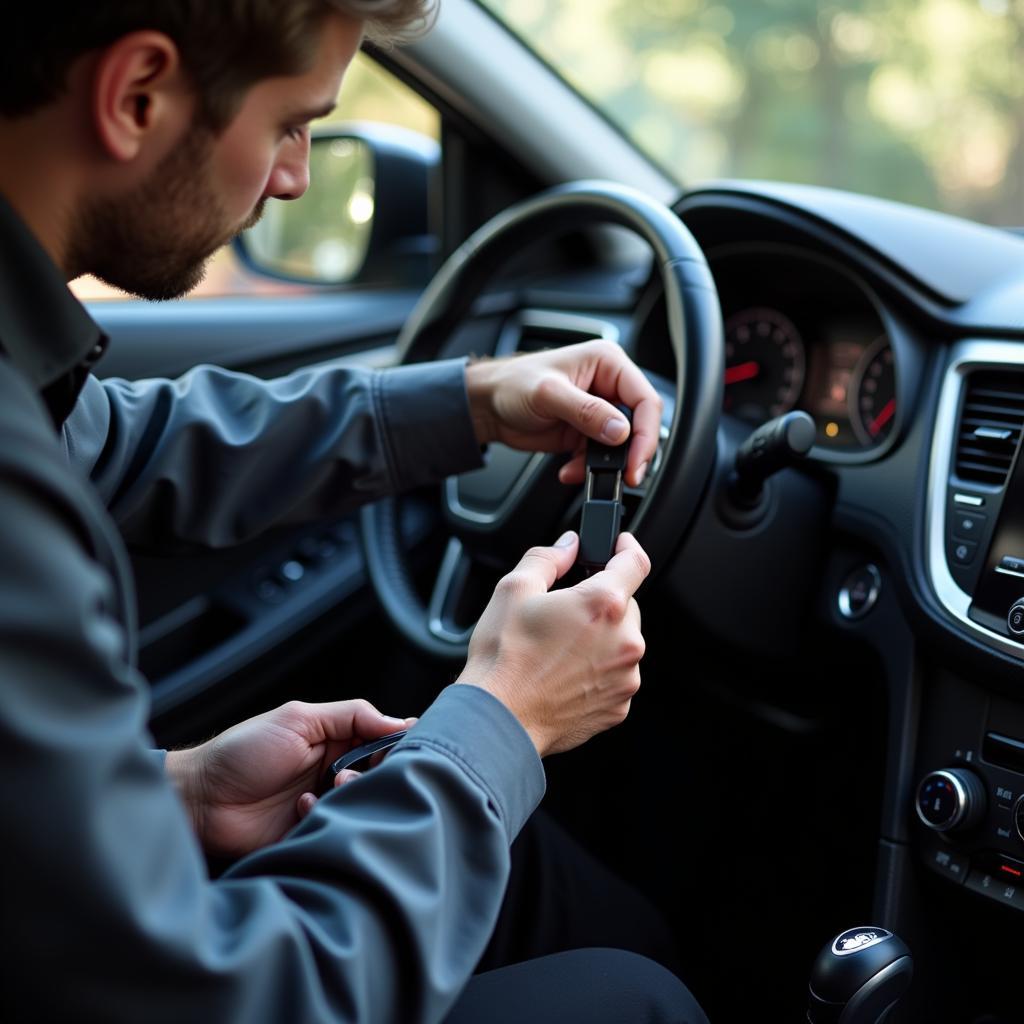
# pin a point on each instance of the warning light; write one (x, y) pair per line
(1009, 870)
(832, 429)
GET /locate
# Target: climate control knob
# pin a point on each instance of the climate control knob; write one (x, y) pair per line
(953, 798)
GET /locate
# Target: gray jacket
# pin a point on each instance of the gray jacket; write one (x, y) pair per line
(378, 905)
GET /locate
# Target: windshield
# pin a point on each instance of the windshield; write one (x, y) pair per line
(915, 101)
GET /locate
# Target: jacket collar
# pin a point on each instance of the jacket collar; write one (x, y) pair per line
(44, 330)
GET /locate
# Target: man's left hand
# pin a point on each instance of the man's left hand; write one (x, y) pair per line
(248, 786)
(552, 401)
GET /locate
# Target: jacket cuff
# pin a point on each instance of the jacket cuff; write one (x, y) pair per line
(474, 729)
(427, 427)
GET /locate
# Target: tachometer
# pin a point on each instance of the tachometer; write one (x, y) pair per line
(873, 395)
(764, 365)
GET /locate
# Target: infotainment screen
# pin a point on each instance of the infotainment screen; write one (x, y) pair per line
(1001, 585)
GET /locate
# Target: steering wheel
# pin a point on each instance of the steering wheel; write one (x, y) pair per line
(495, 513)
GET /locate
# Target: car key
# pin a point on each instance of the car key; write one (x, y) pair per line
(366, 752)
(601, 519)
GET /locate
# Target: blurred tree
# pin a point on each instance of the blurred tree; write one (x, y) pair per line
(916, 100)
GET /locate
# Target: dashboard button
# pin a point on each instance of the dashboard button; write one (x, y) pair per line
(268, 589)
(859, 592)
(948, 863)
(291, 571)
(999, 865)
(1011, 564)
(968, 525)
(312, 551)
(963, 551)
(968, 499)
(987, 884)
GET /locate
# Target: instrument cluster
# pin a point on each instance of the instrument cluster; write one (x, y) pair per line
(801, 334)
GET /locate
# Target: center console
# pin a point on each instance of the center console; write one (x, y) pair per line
(969, 801)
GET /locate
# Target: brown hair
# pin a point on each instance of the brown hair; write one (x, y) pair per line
(225, 45)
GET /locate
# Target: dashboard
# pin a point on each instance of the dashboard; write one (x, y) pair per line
(902, 334)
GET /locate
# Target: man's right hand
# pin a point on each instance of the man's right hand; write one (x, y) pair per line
(565, 663)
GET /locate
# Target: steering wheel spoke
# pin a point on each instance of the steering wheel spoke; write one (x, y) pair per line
(449, 592)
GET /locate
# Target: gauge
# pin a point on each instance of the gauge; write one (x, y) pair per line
(873, 395)
(764, 365)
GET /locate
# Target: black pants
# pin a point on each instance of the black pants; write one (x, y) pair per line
(588, 986)
(543, 963)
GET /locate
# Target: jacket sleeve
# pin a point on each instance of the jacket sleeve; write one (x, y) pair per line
(375, 908)
(216, 457)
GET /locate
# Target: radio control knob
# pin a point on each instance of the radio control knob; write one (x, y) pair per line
(951, 799)
(1015, 617)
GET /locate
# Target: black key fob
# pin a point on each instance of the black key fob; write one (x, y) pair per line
(601, 520)
(364, 757)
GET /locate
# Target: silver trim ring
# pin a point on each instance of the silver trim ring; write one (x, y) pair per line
(1016, 604)
(451, 566)
(966, 356)
(877, 935)
(525, 479)
(961, 795)
(843, 600)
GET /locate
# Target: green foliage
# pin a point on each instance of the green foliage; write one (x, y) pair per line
(915, 100)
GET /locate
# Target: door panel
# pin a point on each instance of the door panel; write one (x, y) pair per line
(150, 339)
(218, 624)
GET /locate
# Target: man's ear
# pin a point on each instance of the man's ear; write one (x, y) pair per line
(138, 93)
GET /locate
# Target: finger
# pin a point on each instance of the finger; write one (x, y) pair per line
(305, 804)
(346, 719)
(344, 776)
(574, 471)
(591, 415)
(540, 567)
(633, 613)
(626, 569)
(619, 378)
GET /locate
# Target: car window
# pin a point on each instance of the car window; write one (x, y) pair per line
(369, 93)
(915, 100)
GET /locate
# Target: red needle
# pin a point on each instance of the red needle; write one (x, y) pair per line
(882, 418)
(741, 371)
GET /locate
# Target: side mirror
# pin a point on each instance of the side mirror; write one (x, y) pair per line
(365, 218)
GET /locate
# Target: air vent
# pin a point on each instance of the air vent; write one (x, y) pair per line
(990, 426)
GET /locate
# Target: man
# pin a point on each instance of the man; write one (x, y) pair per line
(135, 138)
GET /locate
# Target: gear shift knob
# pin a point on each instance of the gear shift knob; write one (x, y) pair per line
(858, 977)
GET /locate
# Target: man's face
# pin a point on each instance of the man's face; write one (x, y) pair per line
(155, 240)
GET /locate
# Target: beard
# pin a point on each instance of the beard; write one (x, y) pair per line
(155, 241)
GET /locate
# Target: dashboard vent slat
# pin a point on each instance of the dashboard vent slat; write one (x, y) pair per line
(991, 422)
(991, 434)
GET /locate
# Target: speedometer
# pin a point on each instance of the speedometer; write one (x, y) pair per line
(873, 395)
(764, 365)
